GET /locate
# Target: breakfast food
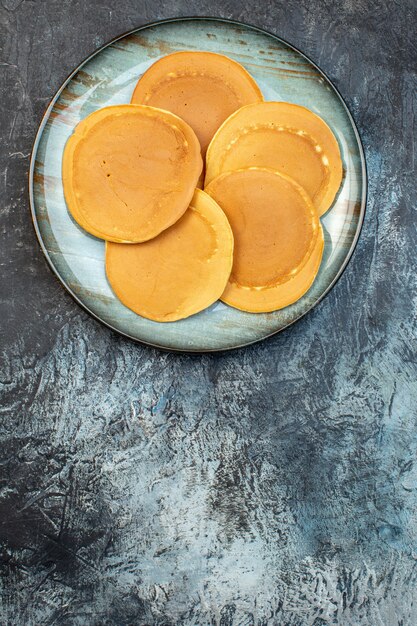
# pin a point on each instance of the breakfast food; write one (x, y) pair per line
(133, 175)
(182, 271)
(203, 88)
(278, 238)
(129, 172)
(285, 137)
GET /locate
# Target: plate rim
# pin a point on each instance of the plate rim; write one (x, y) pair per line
(44, 120)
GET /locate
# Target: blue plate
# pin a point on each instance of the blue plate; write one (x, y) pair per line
(108, 77)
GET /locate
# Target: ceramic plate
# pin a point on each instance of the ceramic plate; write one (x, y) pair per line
(108, 77)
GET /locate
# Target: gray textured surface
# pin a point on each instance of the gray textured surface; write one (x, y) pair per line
(275, 485)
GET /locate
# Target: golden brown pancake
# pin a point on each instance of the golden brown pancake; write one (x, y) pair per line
(203, 88)
(278, 238)
(285, 137)
(182, 271)
(129, 172)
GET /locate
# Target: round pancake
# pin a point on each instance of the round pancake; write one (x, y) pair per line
(278, 238)
(129, 172)
(182, 271)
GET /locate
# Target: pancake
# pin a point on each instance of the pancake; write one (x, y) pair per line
(284, 137)
(129, 172)
(278, 238)
(179, 273)
(203, 88)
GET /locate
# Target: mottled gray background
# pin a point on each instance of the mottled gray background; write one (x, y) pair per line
(275, 485)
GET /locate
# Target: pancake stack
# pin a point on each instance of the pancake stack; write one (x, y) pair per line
(133, 175)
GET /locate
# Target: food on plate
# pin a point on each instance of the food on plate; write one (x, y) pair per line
(277, 234)
(133, 175)
(203, 88)
(285, 137)
(129, 172)
(182, 271)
